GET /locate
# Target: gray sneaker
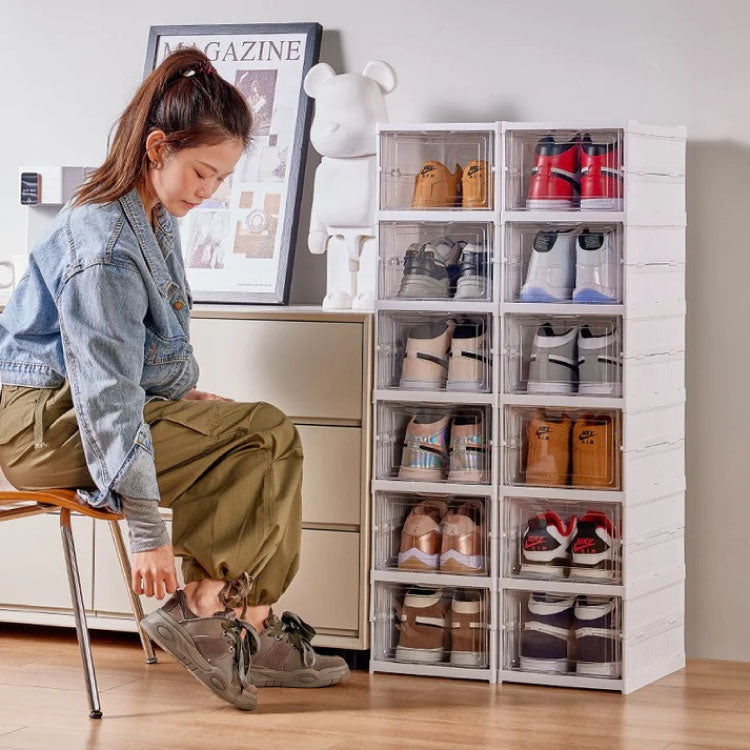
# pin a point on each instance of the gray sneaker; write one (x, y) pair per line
(212, 648)
(552, 365)
(286, 658)
(599, 360)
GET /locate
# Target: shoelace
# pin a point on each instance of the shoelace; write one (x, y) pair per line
(298, 632)
(244, 647)
(235, 593)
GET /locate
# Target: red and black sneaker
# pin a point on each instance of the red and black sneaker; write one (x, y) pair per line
(555, 179)
(601, 175)
(596, 547)
(545, 545)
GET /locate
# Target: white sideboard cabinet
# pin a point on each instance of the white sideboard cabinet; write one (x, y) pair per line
(314, 365)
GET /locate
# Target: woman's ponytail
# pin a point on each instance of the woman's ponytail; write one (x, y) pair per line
(187, 99)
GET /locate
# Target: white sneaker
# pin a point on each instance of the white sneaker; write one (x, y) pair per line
(596, 268)
(551, 273)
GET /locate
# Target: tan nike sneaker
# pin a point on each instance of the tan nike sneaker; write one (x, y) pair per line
(216, 650)
(286, 658)
(549, 450)
(476, 184)
(436, 187)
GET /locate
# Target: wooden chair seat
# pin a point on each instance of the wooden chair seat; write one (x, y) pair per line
(23, 503)
(47, 500)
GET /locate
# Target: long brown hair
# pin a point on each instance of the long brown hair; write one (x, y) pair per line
(187, 99)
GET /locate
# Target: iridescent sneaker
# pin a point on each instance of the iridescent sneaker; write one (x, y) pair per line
(425, 453)
(468, 450)
(286, 658)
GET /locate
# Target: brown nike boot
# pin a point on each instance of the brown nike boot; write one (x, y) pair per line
(549, 450)
(476, 184)
(286, 658)
(213, 649)
(594, 452)
(436, 187)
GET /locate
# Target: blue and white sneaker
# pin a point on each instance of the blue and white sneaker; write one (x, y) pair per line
(596, 269)
(551, 273)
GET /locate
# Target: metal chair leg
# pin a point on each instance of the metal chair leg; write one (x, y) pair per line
(135, 601)
(82, 631)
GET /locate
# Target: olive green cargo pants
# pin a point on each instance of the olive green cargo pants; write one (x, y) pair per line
(231, 473)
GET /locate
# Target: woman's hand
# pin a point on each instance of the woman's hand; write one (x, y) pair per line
(154, 573)
(196, 395)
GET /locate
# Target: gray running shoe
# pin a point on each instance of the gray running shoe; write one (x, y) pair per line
(552, 365)
(286, 658)
(213, 649)
(599, 360)
(429, 269)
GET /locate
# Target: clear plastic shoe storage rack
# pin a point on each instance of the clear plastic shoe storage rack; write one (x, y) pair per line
(530, 346)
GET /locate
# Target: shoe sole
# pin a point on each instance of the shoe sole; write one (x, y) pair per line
(299, 678)
(166, 633)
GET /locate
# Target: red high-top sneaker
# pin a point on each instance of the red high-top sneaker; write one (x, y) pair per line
(555, 180)
(601, 175)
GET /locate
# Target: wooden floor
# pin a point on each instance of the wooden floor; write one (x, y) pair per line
(43, 705)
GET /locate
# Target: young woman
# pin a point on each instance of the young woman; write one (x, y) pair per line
(98, 395)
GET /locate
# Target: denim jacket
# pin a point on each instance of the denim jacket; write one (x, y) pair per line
(105, 303)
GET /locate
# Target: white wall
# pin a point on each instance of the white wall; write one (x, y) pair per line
(68, 68)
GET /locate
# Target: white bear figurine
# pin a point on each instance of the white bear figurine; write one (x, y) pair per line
(347, 108)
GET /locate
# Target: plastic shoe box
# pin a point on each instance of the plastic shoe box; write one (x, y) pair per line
(520, 146)
(650, 537)
(469, 424)
(562, 347)
(652, 353)
(559, 447)
(523, 629)
(518, 511)
(518, 244)
(651, 262)
(402, 154)
(469, 374)
(396, 238)
(652, 160)
(652, 640)
(457, 547)
(456, 622)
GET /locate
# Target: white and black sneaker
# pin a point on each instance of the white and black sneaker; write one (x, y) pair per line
(545, 634)
(597, 637)
(545, 546)
(552, 267)
(595, 549)
(597, 268)
(552, 365)
(599, 360)
(472, 276)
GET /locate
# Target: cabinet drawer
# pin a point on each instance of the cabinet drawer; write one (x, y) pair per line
(110, 595)
(306, 369)
(325, 591)
(31, 548)
(331, 488)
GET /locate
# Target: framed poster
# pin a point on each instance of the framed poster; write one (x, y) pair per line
(238, 245)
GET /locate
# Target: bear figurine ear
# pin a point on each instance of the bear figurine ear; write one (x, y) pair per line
(382, 73)
(316, 77)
